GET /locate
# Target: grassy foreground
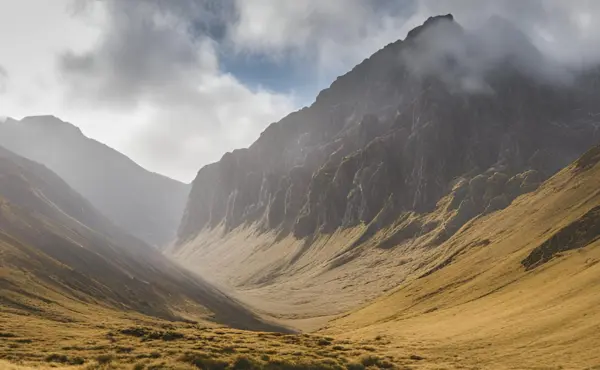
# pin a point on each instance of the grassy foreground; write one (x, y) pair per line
(144, 343)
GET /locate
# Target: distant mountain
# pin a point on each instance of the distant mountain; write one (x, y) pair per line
(60, 254)
(147, 205)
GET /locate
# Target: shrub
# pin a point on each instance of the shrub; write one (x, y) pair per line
(171, 335)
(228, 349)
(245, 363)
(63, 359)
(370, 361)
(324, 342)
(124, 349)
(77, 361)
(135, 332)
(203, 361)
(54, 357)
(105, 359)
(147, 334)
(355, 366)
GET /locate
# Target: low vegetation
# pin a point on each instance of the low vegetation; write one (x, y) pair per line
(186, 347)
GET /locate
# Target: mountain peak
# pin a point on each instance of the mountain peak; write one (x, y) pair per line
(148, 205)
(430, 22)
(45, 118)
(49, 121)
(446, 105)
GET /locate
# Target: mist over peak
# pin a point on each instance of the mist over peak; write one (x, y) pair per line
(465, 58)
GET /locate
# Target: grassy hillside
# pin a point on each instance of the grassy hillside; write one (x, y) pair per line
(61, 259)
(517, 289)
(78, 292)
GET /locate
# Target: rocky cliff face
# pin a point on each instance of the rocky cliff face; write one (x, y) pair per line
(145, 204)
(436, 114)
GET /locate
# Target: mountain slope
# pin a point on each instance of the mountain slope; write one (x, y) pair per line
(61, 259)
(518, 289)
(390, 136)
(350, 197)
(77, 297)
(145, 204)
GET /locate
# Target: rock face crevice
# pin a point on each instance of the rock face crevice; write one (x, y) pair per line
(408, 126)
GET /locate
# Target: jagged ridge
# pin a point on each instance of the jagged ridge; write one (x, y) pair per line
(386, 139)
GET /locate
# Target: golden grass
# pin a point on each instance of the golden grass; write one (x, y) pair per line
(466, 303)
(145, 343)
(484, 308)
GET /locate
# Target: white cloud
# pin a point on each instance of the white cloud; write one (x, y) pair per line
(132, 76)
(334, 34)
(339, 33)
(146, 76)
(561, 29)
(147, 56)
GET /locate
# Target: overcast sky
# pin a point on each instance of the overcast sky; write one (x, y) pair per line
(175, 84)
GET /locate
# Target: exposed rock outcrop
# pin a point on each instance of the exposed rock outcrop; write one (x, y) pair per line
(408, 126)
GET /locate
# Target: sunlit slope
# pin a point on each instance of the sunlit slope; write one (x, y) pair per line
(518, 288)
(62, 260)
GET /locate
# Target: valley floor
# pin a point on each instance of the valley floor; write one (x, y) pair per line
(515, 289)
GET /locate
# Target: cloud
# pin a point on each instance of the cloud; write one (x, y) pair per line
(337, 34)
(145, 52)
(562, 30)
(331, 35)
(153, 55)
(3, 80)
(464, 58)
(169, 84)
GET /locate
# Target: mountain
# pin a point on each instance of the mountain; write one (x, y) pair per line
(145, 204)
(516, 289)
(347, 199)
(76, 290)
(63, 261)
